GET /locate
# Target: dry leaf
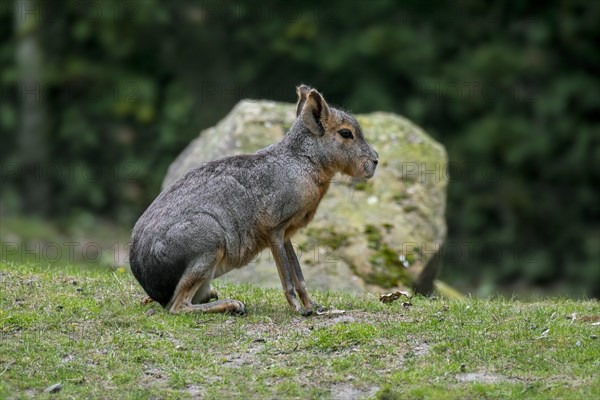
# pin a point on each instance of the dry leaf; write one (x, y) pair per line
(388, 298)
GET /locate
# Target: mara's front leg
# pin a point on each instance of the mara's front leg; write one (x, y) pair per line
(298, 278)
(284, 268)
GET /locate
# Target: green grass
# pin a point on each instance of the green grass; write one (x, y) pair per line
(86, 241)
(89, 331)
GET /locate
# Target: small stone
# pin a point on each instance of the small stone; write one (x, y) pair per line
(151, 312)
(372, 200)
(68, 358)
(57, 387)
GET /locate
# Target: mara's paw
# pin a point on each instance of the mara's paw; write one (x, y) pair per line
(237, 307)
(305, 312)
(314, 308)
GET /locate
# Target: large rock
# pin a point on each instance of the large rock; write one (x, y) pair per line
(374, 235)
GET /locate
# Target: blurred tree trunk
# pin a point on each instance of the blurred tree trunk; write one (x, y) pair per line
(33, 121)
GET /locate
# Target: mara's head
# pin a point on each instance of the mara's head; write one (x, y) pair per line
(337, 134)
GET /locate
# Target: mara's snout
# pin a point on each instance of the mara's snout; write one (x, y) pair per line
(370, 164)
(370, 167)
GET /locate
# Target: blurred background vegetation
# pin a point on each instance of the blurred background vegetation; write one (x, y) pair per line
(98, 97)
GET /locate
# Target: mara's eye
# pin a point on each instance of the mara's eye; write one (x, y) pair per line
(345, 133)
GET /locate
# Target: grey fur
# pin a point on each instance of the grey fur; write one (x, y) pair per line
(220, 215)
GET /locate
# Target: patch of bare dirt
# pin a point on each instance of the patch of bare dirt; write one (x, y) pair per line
(249, 357)
(195, 392)
(421, 349)
(259, 352)
(300, 324)
(346, 391)
(482, 377)
(153, 377)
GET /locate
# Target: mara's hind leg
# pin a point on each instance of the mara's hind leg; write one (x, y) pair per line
(204, 294)
(197, 278)
(219, 306)
(184, 294)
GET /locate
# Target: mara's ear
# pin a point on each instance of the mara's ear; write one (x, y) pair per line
(302, 92)
(315, 112)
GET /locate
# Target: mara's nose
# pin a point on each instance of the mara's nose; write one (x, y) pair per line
(375, 161)
(376, 158)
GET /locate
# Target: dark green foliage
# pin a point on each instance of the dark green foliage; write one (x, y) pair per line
(509, 87)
